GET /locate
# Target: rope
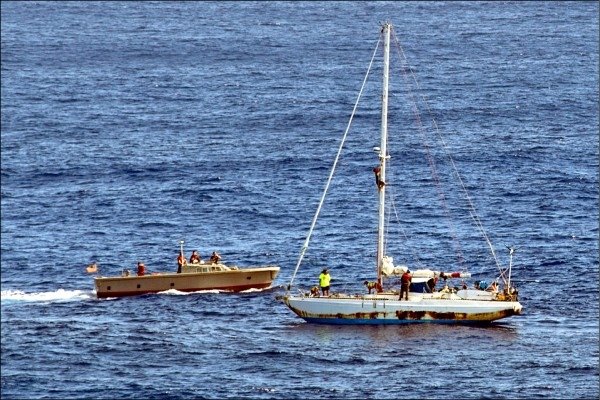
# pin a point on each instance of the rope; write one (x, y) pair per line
(432, 166)
(404, 235)
(472, 211)
(337, 157)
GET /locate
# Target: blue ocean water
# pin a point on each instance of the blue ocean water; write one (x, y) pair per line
(128, 126)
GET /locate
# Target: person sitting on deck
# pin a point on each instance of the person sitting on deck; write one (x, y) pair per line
(373, 286)
(215, 257)
(430, 286)
(195, 257)
(141, 269)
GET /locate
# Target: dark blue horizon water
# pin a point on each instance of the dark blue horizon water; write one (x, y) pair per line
(129, 126)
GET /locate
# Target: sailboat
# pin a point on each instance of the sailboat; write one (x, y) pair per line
(424, 303)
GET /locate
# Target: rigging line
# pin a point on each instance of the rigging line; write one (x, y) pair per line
(472, 211)
(337, 157)
(388, 206)
(503, 276)
(393, 206)
(434, 171)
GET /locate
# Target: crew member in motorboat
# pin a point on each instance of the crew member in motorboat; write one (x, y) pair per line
(180, 262)
(195, 257)
(215, 257)
(141, 269)
(324, 280)
(405, 284)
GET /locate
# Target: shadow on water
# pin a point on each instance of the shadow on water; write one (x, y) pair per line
(423, 332)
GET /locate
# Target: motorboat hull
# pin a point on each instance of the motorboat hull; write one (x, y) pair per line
(234, 280)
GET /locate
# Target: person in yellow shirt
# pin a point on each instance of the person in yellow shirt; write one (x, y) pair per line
(324, 280)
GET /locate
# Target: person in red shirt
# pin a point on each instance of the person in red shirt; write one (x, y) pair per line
(141, 269)
(195, 257)
(405, 284)
(180, 262)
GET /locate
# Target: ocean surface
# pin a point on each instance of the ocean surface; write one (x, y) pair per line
(129, 126)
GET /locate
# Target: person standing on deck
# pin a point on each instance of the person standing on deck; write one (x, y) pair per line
(215, 257)
(405, 284)
(180, 262)
(324, 280)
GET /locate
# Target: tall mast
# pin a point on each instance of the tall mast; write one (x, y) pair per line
(383, 148)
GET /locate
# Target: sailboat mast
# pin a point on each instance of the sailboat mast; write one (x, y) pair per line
(383, 148)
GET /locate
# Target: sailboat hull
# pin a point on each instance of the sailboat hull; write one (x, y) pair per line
(388, 311)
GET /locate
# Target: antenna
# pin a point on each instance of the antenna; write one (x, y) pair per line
(511, 251)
